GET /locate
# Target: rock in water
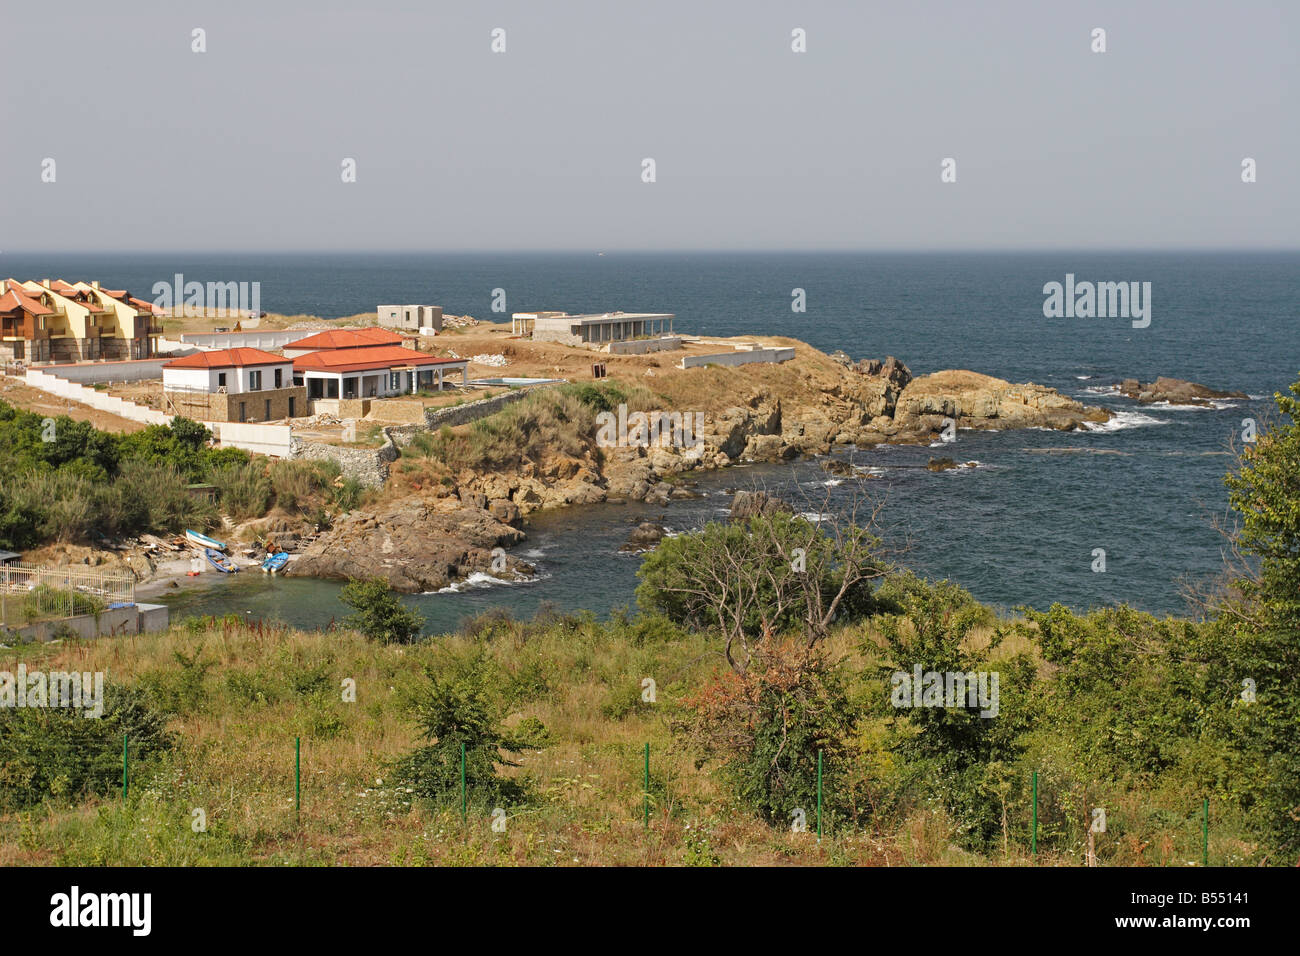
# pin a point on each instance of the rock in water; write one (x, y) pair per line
(1175, 391)
(748, 504)
(645, 537)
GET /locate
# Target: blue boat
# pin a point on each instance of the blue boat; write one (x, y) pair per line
(220, 561)
(275, 562)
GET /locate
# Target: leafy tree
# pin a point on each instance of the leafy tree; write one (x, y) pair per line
(767, 574)
(380, 614)
(1265, 493)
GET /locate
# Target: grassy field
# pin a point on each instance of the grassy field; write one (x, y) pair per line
(237, 695)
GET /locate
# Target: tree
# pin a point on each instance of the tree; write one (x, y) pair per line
(380, 614)
(1265, 493)
(763, 576)
(1264, 628)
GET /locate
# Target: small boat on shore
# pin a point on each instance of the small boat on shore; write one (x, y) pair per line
(275, 562)
(203, 541)
(220, 561)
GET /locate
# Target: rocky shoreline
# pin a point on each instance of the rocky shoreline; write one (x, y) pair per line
(432, 534)
(440, 534)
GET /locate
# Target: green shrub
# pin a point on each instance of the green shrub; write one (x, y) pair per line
(245, 490)
(379, 613)
(459, 712)
(55, 753)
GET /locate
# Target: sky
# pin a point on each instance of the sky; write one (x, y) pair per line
(755, 146)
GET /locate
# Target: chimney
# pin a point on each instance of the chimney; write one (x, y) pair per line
(4, 286)
(46, 283)
(94, 283)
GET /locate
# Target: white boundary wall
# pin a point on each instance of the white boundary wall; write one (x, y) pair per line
(253, 339)
(100, 400)
(133, 370)
(260, 439)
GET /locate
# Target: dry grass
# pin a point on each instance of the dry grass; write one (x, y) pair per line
(235, 761)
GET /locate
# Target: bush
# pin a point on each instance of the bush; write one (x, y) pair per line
(461, 707)
(380, 614)
(56, 753)
(245, 490)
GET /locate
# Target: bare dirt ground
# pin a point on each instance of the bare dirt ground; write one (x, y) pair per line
(18, 393)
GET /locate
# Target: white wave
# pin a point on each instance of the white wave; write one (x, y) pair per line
(481, 579)
(815, 516)
(1258, 397)
(534, 553)
(869, 469)
(1102, 389)
(1122, 420)
(832, 482)
(1083, 378)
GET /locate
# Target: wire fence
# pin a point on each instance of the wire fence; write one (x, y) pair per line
(30, 593)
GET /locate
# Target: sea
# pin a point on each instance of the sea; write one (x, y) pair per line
(1133, 511)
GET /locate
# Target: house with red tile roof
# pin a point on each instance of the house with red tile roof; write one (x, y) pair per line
(57, 321)
(348, 339)
(375, 371)
(233, 385)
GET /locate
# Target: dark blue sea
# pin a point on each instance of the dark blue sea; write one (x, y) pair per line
(1020, 529)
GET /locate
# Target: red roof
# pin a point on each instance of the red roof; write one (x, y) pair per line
(349, 339)
(16, 297)
(366, 359)
(227, 358)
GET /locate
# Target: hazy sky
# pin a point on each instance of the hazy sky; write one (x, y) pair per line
(756, 146)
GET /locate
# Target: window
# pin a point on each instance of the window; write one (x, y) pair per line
(255, 381)
(221, 380)
(278, 377)
(394, 381)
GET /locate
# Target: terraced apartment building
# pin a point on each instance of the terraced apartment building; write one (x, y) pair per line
(57, 321)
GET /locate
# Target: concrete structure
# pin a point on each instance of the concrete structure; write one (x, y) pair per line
(739, 357)
(349, 339)
(412, 318)
(591, 331)
(664, 343)
(372, 372)
(232, 385)
(57, 321)
(115, 622)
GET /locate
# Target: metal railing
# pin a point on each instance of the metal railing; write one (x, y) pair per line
(30, 593)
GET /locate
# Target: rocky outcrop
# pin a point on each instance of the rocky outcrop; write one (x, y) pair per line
(972, 400)
(413, 543)
(750, 504)
(1175, 391)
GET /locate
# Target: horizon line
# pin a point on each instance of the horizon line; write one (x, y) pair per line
(594, 251)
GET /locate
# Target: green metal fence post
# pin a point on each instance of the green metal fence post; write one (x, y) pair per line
(819, 796)
(1205, 833)
(1034, 838)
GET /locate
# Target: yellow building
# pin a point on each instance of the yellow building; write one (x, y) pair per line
(82, 322)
